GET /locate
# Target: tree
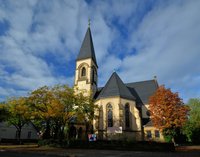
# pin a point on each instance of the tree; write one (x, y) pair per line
(64, 109)
(19, 114)
(40, 102)
(3, 112)
(56, 107)
(53, 107)
(71, 105)
(85, 111)
(192, 127)
(168, 112)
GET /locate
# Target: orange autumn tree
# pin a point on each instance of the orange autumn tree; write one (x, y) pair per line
(168, 112)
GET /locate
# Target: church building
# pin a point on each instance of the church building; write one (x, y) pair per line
(122, 107)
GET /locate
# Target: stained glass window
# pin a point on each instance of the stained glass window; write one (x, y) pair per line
(110, 115)
(127, 115)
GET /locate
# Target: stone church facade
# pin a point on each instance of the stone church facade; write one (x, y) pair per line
(122, 107)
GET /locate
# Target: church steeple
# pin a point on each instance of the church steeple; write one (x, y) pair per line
(87, 48)
(86, 66)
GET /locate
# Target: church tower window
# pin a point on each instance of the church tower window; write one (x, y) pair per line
(94, 75)
(110, 115)
(83, 72)
(127, 115)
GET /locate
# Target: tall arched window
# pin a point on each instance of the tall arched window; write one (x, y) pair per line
(127, 115)
(110, 115)
(100, 120)
(83, 72)
(93, 73)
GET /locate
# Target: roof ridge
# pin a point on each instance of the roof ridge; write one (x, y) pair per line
(115, 87)
(118, 83)
(106, 86)
(140, 81)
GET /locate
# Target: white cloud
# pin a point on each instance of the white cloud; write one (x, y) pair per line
(23, 48)
(165, 35)
(111, 64)
(167, 42)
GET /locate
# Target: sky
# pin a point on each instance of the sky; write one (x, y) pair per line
(139, 39)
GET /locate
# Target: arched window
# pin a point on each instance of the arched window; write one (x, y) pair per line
(110, 115)
(93, 73)
(83, 72)
(99, 123)
(127, 115)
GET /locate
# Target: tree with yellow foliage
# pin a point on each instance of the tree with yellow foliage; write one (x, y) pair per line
(19, 113)
(41, 103)
(55, 108)
(64, 109)
(3, 112)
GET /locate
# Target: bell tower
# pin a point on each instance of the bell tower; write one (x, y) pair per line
(86, 66)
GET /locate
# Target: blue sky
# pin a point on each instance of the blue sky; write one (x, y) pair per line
(40, 39)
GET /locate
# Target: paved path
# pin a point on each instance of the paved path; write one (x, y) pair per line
(95, 153)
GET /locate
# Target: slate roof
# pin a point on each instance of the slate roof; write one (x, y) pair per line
(148, 124)
(87, 48)
(138, 91)
(115, 87)
(143, 90)
(99, 89)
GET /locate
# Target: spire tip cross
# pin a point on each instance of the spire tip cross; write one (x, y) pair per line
(89, 22)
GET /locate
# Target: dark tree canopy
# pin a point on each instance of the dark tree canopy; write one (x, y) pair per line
(192, 127)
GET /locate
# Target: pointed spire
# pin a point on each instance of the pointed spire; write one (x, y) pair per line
(115, 87)
(87, 48)
(89, 23)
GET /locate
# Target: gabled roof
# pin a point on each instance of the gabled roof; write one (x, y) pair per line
(115, 87)
(145, 121)
(87, 48)
(143, 90)
(149, 124)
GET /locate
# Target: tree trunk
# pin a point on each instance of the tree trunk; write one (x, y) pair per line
(47, 131)
(19, 129)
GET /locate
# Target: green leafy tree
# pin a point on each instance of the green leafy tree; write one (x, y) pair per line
(168, 113)
(40, 102)
(85, 111)
(64, 109)
(71, 105)
(19, 114)
(55, 107)
(192, 127)
(3, 112)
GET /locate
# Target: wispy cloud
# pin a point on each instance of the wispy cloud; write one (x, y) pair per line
(39, 41)
(167, 44)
